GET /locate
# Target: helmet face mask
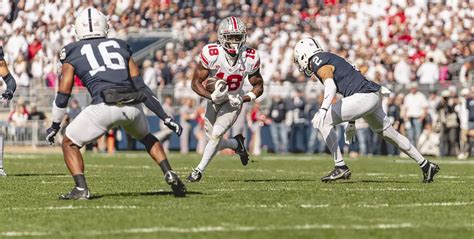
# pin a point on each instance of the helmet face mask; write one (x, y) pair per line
(232, 35)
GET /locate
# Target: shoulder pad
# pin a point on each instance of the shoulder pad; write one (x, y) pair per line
(209, 54)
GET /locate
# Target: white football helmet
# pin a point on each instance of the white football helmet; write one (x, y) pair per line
(232, 34)
(91, 23)
(304, 50)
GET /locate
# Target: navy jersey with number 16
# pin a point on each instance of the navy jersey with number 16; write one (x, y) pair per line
(346, 76)
(100, 63)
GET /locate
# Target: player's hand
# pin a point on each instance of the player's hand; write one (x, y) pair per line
(349, 133)
(7, 95)
(51, 132)
(235, 100)
(219, 97)
(319, 117)
(173, 126)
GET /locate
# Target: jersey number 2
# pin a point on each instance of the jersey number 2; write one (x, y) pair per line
(106, 57)
(233, 81)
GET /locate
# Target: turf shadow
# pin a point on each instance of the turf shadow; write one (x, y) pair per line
(137, 194)
(375, 181)
(271, 180)
(35, 174)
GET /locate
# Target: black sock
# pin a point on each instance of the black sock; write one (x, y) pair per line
(165, 166)
(80, 181)
(342, 167)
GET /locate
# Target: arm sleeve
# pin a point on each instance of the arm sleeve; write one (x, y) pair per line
(59, 107)
(329, 93)
(2, 56)
(151, 101)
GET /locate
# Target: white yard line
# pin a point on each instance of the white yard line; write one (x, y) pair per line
(441, 161)
(251, 228)
(22, 234)
(226, 228)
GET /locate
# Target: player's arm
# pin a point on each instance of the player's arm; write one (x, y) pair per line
(256, 81)
(60, 102)
(199, 76)
(151, 101)
(326, 75)
(7, 77)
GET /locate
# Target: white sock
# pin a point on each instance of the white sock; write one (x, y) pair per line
(330, 137)
(209, 151)
(395, 138)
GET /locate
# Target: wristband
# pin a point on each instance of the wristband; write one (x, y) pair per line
(251, 95)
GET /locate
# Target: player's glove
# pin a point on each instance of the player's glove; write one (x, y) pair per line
(350, 132)
(173, 126)
(219, 97)
(235, 100)
(319, 117)
(52, 131)
(7, 95)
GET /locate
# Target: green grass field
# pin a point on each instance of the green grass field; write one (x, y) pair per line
(273, 197)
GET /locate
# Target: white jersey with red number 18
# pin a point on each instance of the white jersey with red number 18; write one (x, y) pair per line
(213, 58)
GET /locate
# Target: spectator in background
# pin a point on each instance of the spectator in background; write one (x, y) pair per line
(200, 130)
(463, 112)
(278, 129)
(416, 107)
(164, 134)
(428, 72)
(450, 125)
(364, 137)
(402, 70)
(149, 75)
(35, 114)
(298, 120)
(73, 110)
(428, 143)
(17, 121)
(187, 114)
(256, 120)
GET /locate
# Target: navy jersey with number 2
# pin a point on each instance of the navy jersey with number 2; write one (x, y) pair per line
(347, 77)
(100, 63)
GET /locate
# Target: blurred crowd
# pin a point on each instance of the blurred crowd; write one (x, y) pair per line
(395, 43)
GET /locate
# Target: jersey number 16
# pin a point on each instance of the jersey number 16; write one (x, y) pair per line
(107, 57)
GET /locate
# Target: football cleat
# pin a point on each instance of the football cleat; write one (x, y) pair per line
(2, 173)
(195, 175)
(336, 174)
(241, 149)
(77, 194)
(178, 187)
(430, 172)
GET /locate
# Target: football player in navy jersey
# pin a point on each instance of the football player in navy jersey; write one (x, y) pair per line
(362, 99)
(106, 68)
(7, 95)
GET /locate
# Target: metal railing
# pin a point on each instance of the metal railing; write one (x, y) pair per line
(33, 133)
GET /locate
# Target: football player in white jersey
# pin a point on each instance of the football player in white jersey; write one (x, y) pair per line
(231, 62)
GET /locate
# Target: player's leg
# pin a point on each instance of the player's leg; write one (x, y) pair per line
(379, 123)
(346, 109)
(136, 125)
(218, 119)
(95, 119)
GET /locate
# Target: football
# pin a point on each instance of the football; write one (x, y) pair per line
(211, 84)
